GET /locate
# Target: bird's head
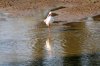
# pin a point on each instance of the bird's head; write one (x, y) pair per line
(52, 14)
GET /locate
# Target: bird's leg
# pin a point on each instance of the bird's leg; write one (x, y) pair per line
(49, 27)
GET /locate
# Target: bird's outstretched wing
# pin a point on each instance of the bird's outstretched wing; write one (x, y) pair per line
(61, 7)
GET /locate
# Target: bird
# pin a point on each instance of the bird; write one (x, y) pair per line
(49, 19)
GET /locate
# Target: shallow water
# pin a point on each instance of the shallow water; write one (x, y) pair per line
(26, 42)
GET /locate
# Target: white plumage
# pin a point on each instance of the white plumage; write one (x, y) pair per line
(49, 19)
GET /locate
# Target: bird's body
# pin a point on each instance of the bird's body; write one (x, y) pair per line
(49, 20)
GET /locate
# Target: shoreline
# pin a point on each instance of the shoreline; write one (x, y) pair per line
(73, 8)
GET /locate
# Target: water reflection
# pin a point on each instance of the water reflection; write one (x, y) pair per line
(25, 42)
(50, 56)
(83, 60)
(48, 47)
(48, 43)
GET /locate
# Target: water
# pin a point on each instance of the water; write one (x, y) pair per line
(26, 42)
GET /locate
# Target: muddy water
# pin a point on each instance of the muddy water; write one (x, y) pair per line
(26, 42)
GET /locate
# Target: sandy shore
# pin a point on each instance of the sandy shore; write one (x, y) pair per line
(75, 9)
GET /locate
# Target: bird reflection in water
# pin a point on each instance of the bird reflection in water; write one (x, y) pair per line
(48, 46)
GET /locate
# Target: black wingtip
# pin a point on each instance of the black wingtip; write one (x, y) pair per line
(61, 7)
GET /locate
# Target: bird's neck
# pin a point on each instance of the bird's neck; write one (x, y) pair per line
(50, 16)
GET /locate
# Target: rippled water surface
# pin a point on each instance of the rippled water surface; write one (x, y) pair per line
(26, 42)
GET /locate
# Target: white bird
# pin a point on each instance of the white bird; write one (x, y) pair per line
(50, 19)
